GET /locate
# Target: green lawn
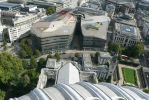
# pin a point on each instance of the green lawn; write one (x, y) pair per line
(129, 76)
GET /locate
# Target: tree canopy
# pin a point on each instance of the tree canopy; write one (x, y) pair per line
(135, 51)
(131, 51)
(114, 47)
(37, 53)
(138, 49)
(10, 66)
(33, 62)
(57, 56)
(41, 63)
(51, 10)
(26, 50)
(2, 95)
(15, 78)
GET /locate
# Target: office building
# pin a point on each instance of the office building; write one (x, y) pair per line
(19, 23)
(90, 4)
(10, 6)
(86, 91)
(18, 1)
(125, 6)
(3, 0)
(145, 27)
(54, 33)
(94, 26)
(142, 11)
(142, 17)
(126, 33)
(110, 8)
(46, 4)
(58, 4)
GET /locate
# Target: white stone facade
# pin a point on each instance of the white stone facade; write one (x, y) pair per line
(23, 24)
(126, 35)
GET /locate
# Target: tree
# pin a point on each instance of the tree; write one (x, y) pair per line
(134, 51)
(28, 50)
(51, 10)
(37, 53)
(77, 55)
(49, 56)
(138, 49)
(146, 90)
(22, 54)
(9, 66)
(33, 74)
(25, 45)
(15, 78)
(114, 47)
(2, 95)
(41, 62)
(97, 54)
(25, 63)
(57, 56)
(33, 62)
(25, 80)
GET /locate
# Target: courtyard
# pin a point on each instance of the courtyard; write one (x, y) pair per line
(129, 76)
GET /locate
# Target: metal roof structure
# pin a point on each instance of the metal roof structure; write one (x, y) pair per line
(86, 91)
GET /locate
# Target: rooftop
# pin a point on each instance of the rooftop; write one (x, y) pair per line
(30, 6)
(95, 26)
(53, 64)
(144, 5)
(68, 74)
(9, 5)
(128, 3)
(105, 54)
(61, 23)
(145, 1)
(126, 20)
(127, 30)
(86, 91)
(92, 4)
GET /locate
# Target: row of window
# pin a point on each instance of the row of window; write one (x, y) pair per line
(27, 21)
(123, 40)
(54, 41)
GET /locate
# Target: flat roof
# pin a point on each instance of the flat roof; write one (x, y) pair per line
(30, 6)
(145, 1)
(128, 3)
(127, 30)
(95, 26)
(9, 5)
(131, 22)
(61, 23)
(105, 54)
